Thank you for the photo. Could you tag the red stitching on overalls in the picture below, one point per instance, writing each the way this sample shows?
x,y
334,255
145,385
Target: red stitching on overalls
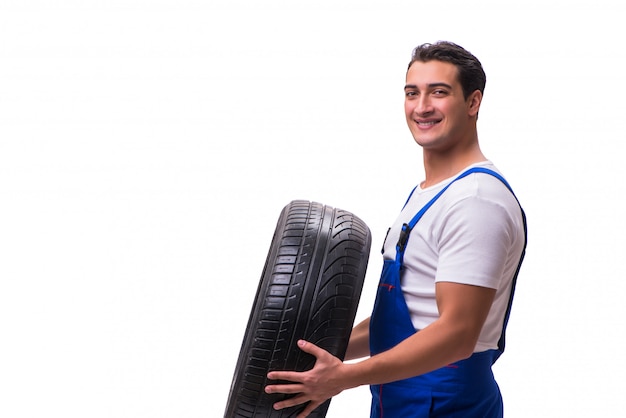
x,y
387,285
380,397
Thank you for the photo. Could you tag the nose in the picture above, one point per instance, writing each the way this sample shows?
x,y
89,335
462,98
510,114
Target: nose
x,y
423,105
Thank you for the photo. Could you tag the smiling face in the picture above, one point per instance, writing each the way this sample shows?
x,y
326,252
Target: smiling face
x,y
440,118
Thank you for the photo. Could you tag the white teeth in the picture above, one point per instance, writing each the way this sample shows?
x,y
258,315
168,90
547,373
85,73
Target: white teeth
x,y
426,123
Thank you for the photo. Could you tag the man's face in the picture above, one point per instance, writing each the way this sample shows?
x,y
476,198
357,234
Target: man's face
x,y
437,114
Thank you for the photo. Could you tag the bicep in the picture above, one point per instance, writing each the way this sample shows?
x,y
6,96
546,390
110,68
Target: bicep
x,y
464,308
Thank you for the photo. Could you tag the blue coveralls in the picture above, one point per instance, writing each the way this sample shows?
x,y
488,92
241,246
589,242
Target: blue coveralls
x,y
465,389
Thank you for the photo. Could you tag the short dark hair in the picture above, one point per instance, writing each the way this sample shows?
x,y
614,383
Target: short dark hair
x,y
471,74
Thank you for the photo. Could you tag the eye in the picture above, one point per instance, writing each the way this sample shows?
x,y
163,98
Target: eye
x,y
410,93
440,92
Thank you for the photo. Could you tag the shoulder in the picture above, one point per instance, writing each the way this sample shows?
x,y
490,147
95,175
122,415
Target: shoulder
x,y
488,186
478,202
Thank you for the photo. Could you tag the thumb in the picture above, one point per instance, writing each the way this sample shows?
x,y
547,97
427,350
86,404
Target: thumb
x,y
311,348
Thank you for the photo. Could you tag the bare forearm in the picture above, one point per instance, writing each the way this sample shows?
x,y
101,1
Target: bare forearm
x,y
427,350
434,347
358,346
452,337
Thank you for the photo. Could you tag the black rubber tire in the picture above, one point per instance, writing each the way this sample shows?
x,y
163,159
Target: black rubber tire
x,y
310,289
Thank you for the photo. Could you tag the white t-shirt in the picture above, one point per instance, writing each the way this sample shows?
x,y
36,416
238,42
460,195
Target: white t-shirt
x,y
473,234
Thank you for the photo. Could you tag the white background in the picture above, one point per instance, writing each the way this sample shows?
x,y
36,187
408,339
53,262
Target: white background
x,y
147,148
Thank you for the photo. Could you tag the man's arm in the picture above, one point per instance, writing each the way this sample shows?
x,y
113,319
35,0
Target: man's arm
x,y
359,344
463,310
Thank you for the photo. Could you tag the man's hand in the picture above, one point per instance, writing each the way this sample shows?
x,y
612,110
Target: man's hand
x,y
314,386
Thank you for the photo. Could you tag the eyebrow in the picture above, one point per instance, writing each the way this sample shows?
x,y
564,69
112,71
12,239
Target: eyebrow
x,y
432,85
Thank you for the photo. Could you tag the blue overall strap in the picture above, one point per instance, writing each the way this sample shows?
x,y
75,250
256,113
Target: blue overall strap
x,y
406,228
409,198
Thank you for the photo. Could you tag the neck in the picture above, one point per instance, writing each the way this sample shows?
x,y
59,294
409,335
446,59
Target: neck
x,y
439,166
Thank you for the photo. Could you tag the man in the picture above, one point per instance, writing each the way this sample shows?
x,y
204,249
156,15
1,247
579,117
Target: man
x,y
450,264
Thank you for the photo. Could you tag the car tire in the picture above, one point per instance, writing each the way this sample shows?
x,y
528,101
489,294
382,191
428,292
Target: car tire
x,y
309,289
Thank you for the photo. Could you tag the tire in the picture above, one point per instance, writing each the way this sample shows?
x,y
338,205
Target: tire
x,y
309,289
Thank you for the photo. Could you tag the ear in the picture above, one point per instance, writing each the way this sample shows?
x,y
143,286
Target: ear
x,y
473,103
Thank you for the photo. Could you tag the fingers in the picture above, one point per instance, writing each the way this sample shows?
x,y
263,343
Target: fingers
x,y
288,403
287,389
288,376
298,400
312,349
309,409
301,388
307,347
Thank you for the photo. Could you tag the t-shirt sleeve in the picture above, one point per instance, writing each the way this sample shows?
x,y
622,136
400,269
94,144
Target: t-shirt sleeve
x,y
474,240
